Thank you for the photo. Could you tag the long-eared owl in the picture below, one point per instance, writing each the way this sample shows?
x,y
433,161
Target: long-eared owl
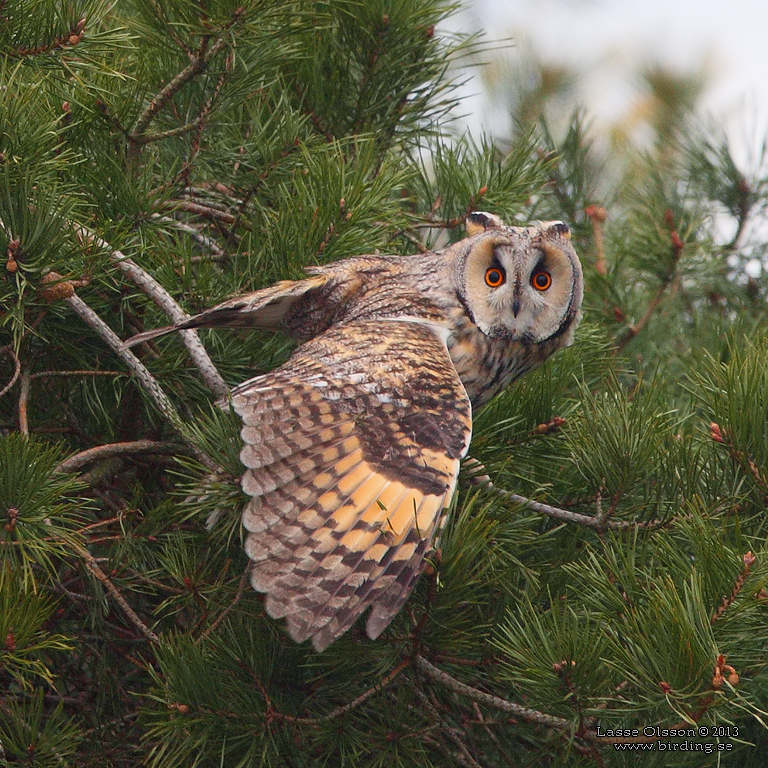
x,y
352,447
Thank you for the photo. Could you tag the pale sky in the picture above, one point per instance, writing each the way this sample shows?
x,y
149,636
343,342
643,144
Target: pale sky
x,y
607,38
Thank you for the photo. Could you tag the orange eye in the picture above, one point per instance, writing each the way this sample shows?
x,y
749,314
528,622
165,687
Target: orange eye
x,y
494,277
541,281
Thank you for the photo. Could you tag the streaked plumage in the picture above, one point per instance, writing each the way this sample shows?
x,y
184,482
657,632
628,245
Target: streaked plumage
x,y
352,448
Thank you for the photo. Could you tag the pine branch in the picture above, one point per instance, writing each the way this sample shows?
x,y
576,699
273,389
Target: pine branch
x,y
455,221
132,616
238,596
531,715
524,713
440,729
23,404
16,369
145,378
170,30
149,138
101,452
312,115
197,65
158,584
195,125
741,457
68,40
745,203
199,208
597,217
164,301
670,279
491,735
600,521
50,374
385,682
217,253
749,561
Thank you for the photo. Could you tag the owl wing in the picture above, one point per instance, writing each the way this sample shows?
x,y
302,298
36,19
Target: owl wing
x,y
261,309
352,451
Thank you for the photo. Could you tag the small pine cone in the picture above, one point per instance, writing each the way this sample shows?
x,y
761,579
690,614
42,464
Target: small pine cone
x,y
57,287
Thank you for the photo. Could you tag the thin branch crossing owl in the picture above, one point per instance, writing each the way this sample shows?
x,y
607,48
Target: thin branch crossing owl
x,y
352,447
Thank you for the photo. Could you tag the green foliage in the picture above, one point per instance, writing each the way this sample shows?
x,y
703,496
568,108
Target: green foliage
x,y
464,175
225,145
31,735
550,654
22,616
619,446
734,395
40,507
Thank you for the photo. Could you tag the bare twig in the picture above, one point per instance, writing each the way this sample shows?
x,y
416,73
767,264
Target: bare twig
x,y
491,735
146,379
133,617
746,201
316,121
100,523
214,188
599,521
16,369
524,713
463,755
199,208
201,239
725,437
529,715
197,128
170,30
413,240
207,198
159,584
100,452
164,301
439,727
387,680
49,374
597,216
23,403
238,596
148,138
632,330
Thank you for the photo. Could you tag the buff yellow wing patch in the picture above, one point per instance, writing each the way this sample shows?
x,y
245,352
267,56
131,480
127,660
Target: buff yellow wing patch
x,y
352,449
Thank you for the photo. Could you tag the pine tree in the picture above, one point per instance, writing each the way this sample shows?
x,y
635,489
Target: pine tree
x,y
157,156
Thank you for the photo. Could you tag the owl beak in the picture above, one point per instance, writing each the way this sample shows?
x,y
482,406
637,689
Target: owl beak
x,y
516,298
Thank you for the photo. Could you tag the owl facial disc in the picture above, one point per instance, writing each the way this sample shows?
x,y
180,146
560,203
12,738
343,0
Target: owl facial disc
x,y
522,283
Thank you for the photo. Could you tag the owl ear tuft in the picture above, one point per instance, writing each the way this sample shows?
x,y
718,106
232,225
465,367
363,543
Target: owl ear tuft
x,y
560,228
479,221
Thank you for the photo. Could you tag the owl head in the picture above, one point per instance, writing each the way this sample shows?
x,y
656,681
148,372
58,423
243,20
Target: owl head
x,y
520,283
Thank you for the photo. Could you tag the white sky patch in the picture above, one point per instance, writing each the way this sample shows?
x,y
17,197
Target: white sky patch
x,y
607,39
